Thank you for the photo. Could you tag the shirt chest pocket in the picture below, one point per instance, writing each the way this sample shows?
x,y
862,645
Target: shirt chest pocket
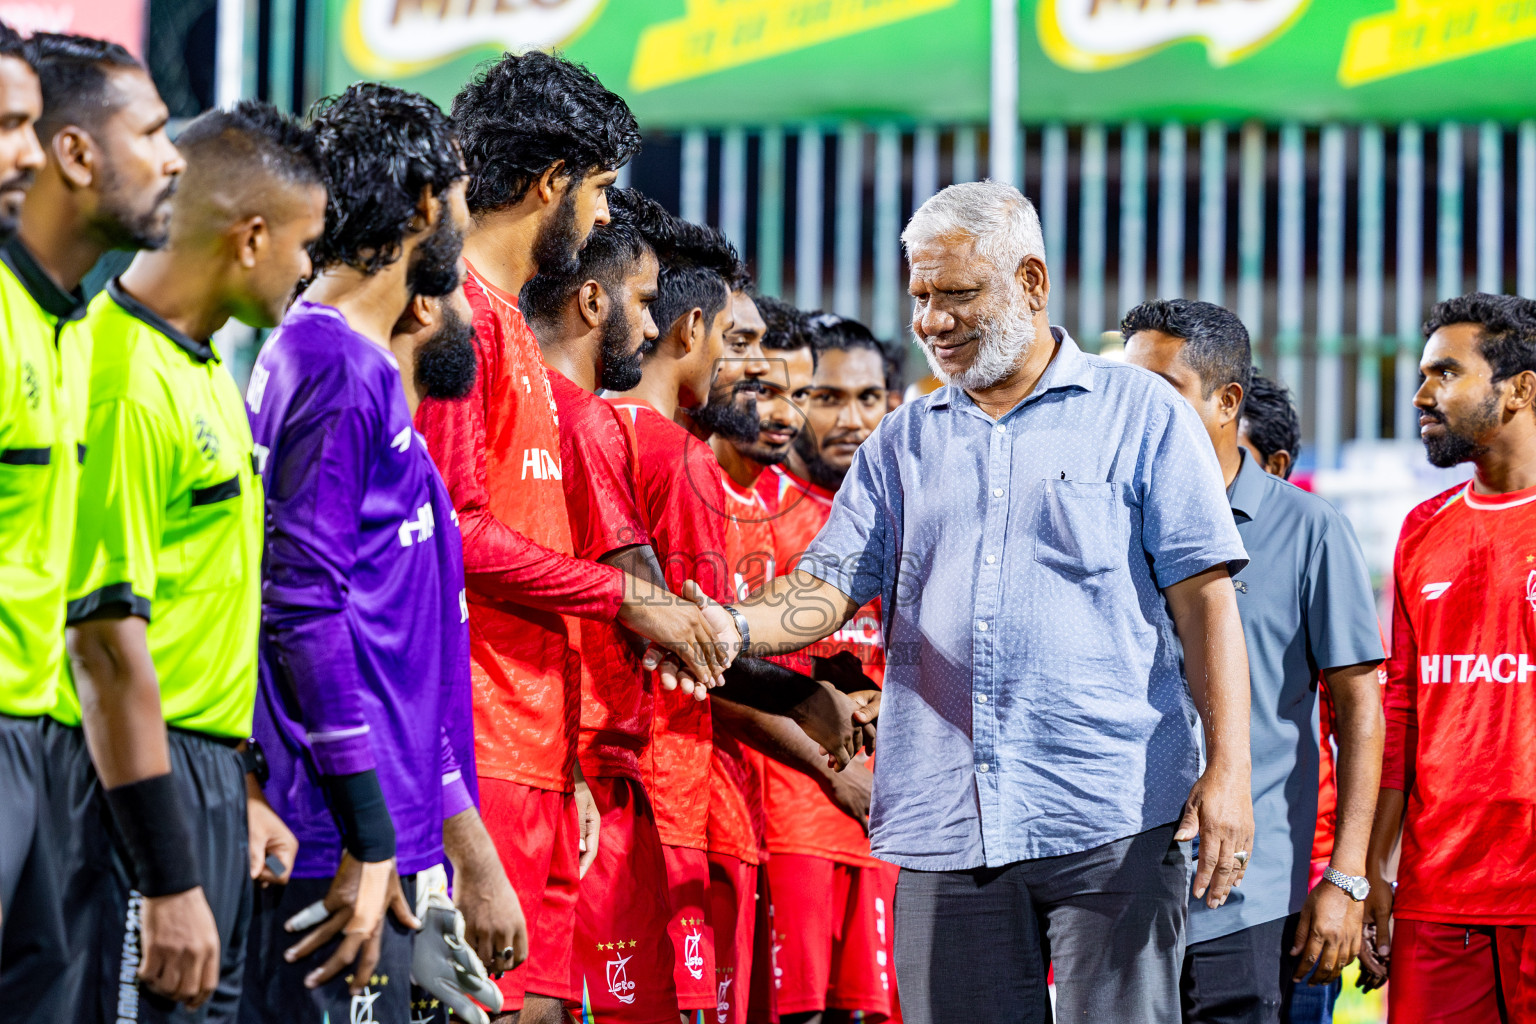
x,y
1080,529
210,547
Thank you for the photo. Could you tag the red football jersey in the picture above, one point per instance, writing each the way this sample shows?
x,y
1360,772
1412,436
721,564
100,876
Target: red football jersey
x,y
1461,708
737,817
597,453
498,449
678,493
1327,786
801,818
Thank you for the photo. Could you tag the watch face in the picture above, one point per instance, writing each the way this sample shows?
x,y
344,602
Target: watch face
x,y
1359,888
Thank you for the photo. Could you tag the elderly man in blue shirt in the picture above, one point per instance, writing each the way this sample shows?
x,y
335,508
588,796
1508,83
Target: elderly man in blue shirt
x,y
1307,608
1053,550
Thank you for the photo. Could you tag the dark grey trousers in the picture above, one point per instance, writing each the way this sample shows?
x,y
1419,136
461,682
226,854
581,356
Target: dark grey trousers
x,y
974,946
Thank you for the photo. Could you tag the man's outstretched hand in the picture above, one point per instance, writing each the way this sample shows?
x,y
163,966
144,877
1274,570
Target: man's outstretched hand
x,y
698,633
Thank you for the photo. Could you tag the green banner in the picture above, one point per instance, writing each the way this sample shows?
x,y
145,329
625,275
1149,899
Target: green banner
x,y
720,62
691,62
1307,60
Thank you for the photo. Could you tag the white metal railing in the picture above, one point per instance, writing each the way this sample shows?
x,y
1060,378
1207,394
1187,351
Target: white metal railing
x,y
1289,225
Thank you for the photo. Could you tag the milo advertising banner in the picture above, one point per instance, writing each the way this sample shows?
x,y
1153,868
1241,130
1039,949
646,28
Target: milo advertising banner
x,y
717,62
710,62
1310,60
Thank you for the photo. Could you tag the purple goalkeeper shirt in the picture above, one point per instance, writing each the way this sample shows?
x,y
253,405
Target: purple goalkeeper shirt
x,y
364,634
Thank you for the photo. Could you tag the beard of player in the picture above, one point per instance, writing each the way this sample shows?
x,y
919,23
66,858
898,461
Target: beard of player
x,y
445,364
622,367
1459,441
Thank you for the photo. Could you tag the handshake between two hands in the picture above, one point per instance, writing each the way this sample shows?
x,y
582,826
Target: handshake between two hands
x,y
693,640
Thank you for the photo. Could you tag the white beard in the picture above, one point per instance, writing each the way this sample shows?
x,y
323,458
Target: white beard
x,y
1005,341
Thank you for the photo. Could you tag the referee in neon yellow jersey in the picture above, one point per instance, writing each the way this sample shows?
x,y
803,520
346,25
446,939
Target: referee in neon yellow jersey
x,y
37,490
165,583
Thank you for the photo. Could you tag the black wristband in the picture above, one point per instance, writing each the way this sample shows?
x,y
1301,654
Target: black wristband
x,y
154,826
357,802
256,762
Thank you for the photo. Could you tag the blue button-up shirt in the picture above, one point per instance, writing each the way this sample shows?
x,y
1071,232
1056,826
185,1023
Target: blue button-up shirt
x,y
1035,702
1306,602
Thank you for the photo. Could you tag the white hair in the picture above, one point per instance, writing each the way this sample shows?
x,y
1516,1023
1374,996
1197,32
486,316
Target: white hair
x,y
995,216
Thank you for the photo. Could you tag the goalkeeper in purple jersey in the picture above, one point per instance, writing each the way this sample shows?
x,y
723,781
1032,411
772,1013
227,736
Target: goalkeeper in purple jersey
x,y
363,711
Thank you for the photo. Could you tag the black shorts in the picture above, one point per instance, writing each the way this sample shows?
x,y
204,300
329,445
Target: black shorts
x,y
102,905
274,988
32,941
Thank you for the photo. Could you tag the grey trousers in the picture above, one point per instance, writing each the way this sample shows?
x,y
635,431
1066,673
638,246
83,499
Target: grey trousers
x,y
972,947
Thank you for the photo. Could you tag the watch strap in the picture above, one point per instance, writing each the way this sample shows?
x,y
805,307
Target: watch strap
x,y
1347,882
741,627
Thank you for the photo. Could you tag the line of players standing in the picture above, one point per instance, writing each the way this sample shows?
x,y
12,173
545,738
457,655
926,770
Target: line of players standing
x,y
383,616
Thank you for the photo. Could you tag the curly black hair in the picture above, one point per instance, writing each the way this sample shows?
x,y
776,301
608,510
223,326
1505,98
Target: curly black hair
x,y
611,252
1508,336
253,134
520,115
1216,343
11,43
74,72
1270,420
380,145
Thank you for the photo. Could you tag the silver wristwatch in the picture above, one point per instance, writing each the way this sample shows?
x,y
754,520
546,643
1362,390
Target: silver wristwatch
x,y
741,627
1355,885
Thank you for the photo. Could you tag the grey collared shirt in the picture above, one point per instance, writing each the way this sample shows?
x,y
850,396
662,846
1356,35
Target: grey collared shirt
x,y
1035,701
1306,603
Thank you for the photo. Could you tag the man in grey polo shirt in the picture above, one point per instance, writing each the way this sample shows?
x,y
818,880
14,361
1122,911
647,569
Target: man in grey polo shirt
x,y
1306,603
1049,541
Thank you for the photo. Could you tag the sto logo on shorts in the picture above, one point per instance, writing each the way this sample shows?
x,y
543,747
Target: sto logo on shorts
x,y
723,1002
619,984
693,959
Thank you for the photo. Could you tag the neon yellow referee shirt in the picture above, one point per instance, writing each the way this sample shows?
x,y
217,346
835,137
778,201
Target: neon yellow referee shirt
x,y
170,514
43,362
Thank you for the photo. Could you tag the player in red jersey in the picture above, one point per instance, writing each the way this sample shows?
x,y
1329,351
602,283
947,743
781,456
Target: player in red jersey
x,y
592,326
542,139
831,899
680,501
1459,772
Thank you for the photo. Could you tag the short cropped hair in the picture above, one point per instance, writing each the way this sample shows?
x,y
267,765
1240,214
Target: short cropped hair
x,y
11,43
786,326
523,113
1216,343
1272,424
74,72
252,135
381,146
829,331
697,264
611,252
994,215
1507,339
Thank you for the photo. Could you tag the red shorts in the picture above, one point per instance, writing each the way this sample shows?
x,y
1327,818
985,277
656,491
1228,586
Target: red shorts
x,y
693,943
832,934
732,915
764,1005
623,958
536,835
1457,974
